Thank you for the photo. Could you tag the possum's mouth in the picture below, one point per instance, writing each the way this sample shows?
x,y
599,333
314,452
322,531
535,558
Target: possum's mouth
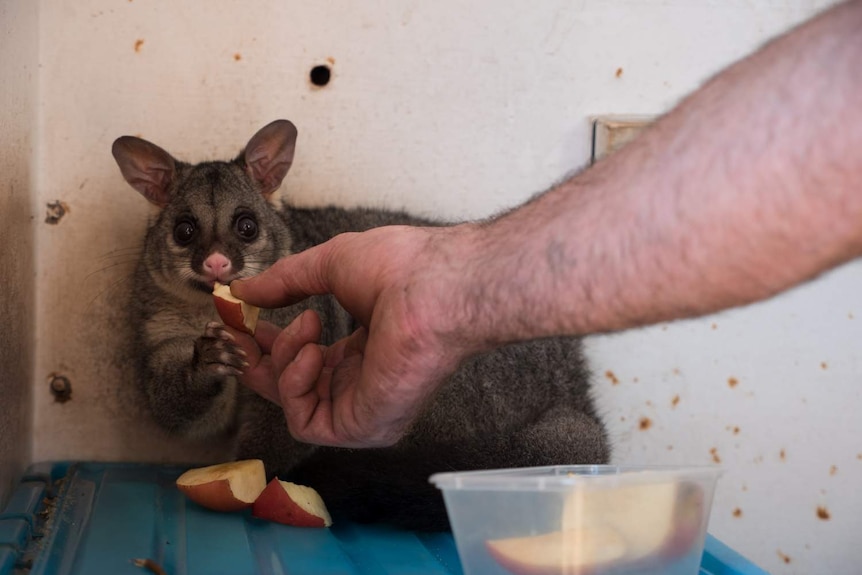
x,y
205,287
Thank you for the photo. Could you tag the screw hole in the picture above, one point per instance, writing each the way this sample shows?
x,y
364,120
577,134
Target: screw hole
x,y
320,75
61,388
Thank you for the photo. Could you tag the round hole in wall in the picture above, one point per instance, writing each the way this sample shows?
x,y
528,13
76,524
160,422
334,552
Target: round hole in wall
x,y
320,75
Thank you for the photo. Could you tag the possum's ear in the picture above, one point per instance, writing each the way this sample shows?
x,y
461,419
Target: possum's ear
x,y
269,154
148,168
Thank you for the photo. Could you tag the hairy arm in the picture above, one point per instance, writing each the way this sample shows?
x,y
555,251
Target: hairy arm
x,y
751,185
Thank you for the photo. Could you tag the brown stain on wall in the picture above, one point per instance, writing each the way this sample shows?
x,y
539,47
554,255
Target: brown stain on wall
x,y
675,401
138,44
784,557
612,377
737,512
732,382
823,513
619,73
714,453
645,423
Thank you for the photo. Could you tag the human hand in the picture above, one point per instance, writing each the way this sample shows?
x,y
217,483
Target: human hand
x,y
364,390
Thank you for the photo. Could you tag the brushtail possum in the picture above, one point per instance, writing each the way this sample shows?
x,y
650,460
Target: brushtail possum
x,y
524,404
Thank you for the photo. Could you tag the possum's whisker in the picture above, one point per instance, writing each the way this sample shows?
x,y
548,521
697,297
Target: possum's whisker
x,y
109,288
109,268
122,252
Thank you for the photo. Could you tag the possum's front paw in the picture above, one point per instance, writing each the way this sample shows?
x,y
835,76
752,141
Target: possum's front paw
x,y
217,353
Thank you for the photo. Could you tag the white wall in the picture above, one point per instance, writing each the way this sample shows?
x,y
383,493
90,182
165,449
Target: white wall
x,y
18,105
457,109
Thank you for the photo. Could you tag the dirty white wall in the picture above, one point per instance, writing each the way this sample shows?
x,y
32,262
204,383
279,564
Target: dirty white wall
x,y
18,104
457,109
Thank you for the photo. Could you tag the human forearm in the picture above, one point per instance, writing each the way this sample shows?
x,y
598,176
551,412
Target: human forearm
x,y
751,185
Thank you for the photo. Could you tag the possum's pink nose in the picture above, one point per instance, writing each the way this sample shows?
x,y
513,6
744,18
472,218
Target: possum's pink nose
x,y
217,267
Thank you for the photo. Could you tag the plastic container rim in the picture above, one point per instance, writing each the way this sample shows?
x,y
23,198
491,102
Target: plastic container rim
x,y
566,477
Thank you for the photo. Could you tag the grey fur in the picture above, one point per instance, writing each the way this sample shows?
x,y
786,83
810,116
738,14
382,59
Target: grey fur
x,y
522,405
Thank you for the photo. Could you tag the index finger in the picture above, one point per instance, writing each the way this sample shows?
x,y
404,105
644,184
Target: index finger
x,y
290,280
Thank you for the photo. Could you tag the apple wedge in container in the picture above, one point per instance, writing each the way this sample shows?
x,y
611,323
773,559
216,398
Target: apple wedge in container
x,y
580,520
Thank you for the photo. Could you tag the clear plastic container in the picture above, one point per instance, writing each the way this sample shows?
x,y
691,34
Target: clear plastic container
x,y
580,519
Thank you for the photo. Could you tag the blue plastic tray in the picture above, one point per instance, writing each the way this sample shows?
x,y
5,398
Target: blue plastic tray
x,y
93,518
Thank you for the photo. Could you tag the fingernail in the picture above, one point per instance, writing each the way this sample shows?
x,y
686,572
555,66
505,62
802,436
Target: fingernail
x,y
245,364
241,353
295,326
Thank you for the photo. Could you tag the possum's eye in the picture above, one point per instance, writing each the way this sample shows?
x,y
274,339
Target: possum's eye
x,y
184,232
246,227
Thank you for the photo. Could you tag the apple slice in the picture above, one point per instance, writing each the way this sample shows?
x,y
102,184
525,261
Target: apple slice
x,y
226,486
655,519
574,552
233,311
291,504
635,526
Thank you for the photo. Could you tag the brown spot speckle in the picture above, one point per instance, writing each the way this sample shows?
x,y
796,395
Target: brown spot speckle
x,y
670,447
714,326
619,73
737,512
635,380
824,365
732,382
784,557
714,453
823,514
675,401
237,56
138,44
645,423
676,371
331,61
782,455
55,211
612,377
850,315
736,430
833,470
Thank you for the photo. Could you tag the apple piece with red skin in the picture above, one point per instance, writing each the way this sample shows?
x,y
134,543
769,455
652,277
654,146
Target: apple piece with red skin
x,y
574,552
291,504
224,487
233,311
625,527
657,519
